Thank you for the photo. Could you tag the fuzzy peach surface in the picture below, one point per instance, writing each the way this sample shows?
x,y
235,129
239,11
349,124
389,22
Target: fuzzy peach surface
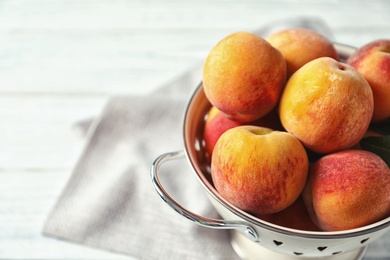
x,y
373,62
215,125
259,170
350,189
328,105
299,46
243,76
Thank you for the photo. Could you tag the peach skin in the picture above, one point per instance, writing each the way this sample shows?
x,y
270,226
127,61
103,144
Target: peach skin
x,y
348,189
243,76
259,170
299,46
217,123
373,62
327,104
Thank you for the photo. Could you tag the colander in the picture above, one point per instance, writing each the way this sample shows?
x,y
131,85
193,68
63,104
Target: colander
x,y
251,237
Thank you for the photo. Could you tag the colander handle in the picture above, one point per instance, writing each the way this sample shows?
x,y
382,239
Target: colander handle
x,y
202,221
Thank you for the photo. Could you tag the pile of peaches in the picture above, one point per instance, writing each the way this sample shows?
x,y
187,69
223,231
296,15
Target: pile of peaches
x,y
286,124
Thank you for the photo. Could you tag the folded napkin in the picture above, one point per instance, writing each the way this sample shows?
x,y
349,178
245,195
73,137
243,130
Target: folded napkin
x,y
109,202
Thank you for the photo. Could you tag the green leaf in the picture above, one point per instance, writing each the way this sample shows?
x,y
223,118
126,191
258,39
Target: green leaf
x,y
380,145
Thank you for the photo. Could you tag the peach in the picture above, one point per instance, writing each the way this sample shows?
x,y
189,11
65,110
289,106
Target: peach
x,y
373,62
259,170
243,76
295,216
217,123
348,189
327,104
299,46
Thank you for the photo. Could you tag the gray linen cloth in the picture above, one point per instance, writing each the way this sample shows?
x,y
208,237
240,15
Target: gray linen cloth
x,y
109,202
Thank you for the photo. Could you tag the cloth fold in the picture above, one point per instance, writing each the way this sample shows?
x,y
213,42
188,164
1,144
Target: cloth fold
x,y
109,202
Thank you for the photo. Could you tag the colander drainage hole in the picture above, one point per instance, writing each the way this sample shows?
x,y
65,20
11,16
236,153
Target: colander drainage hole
x,y
364,240
297,253
278,243
322,248
336,253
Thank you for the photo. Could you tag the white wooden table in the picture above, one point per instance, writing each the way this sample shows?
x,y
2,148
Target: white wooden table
x,y
61,60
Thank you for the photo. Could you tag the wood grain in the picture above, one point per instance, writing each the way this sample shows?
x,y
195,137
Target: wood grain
x,y
61,61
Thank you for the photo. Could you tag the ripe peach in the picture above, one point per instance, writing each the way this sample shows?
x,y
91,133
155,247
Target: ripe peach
x,y
217,123
295,216
259,170
243,76
299,46
348,189
373,62
327,104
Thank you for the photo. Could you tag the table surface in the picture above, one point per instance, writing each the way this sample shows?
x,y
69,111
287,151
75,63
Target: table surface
x,y
61,61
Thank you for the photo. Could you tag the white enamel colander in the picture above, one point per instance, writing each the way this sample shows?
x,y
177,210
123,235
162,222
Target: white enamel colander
x,y
253,238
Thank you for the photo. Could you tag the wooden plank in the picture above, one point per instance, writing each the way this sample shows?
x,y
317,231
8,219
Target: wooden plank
x,y
132,46
60,61
36,131
25,200
177,14
38,149
122,63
